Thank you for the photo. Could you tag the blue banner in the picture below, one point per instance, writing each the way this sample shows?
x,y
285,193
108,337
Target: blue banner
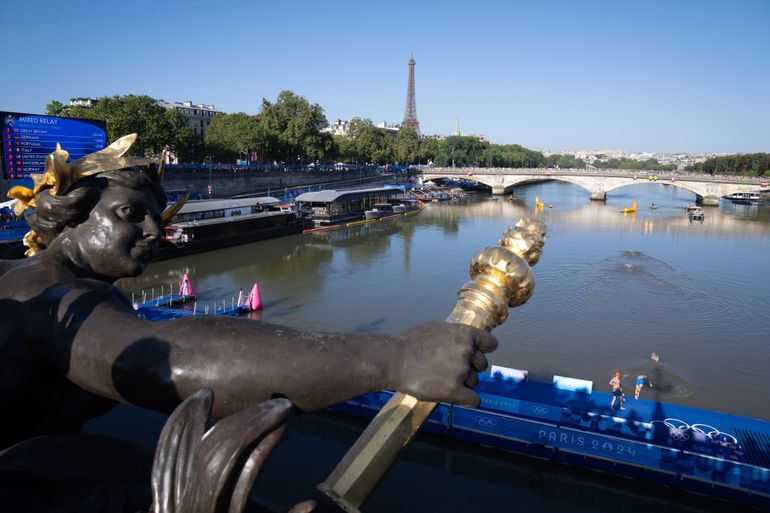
x,y
29,138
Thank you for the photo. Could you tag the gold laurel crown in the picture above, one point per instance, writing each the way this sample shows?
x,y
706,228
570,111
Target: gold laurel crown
x,y
59,176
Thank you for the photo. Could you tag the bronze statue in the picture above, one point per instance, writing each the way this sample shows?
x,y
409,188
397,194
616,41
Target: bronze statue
x,y
71,345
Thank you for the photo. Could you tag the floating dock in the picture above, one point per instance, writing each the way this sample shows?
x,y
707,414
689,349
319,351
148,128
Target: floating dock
x,y
706,452
162,308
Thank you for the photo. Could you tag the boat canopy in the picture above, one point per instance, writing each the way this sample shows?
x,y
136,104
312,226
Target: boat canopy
x,y
331,196
192,207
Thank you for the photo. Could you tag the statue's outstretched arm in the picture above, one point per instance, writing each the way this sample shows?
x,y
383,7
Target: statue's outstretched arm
x,y
110,351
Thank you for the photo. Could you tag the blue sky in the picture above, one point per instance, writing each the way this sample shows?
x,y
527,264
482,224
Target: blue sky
x,y
550,75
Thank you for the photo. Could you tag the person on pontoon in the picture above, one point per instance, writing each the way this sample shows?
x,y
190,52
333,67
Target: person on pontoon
x,y
617,391
640,380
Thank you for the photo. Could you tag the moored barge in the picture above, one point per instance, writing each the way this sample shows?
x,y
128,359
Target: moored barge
x,y
214,224
332,207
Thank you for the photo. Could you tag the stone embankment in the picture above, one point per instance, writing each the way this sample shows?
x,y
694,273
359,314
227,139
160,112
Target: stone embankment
x,y
226,183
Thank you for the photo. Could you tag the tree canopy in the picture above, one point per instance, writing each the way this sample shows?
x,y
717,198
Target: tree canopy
x,y
511,155
564,161
234,136
749,164
459,150
406,146
626,163
157,127
294,127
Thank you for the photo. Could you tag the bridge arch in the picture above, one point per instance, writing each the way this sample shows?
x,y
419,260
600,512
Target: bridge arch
x,y
699,198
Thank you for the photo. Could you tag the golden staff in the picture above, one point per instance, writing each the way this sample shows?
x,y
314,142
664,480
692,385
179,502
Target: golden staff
x,y
501,277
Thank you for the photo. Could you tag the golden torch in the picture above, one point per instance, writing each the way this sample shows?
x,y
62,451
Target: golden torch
x,y
501,277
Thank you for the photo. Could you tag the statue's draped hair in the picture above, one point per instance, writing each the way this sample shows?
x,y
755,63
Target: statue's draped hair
x,y
53,213
64,195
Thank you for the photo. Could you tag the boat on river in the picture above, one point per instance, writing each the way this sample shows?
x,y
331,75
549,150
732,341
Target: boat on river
x,y
706,452
694,213
213,224
379,210
405,205
745,198
629,210
333,207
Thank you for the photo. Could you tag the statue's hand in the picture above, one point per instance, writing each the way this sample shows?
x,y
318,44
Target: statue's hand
x,y
440,362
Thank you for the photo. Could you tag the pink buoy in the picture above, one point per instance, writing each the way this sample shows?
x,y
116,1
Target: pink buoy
x,y
255,300
185,287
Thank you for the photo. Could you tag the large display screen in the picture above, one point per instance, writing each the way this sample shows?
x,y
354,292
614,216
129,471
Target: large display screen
x,y
29,138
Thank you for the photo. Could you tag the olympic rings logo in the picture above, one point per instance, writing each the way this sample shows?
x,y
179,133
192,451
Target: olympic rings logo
x,y
485,421
678,427
679,435
539,410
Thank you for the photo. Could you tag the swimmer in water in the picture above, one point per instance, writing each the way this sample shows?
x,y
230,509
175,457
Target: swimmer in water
x,y
654,357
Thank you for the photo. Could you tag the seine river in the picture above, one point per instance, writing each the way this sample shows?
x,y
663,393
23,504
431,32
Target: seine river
x,y
611,289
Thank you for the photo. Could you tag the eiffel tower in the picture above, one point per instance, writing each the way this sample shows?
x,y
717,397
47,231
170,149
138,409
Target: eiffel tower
x,y
410,113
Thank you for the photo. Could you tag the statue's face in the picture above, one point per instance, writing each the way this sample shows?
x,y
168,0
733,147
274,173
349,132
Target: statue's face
x,y
121,234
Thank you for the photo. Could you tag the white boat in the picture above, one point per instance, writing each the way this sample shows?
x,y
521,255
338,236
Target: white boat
x,y
695,213
379,210
404,205
746,198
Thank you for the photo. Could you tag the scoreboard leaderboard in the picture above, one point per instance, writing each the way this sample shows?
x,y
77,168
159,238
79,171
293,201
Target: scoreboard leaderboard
x,y
29,138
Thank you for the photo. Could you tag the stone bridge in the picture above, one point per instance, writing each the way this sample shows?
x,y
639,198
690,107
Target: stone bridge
x,y
707,189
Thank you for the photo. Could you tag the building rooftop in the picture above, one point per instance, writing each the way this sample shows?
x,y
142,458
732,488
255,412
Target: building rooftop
x,y
187,104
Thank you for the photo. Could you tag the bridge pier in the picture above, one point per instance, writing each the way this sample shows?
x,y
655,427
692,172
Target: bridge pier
x,y
500,191
598,196
708,200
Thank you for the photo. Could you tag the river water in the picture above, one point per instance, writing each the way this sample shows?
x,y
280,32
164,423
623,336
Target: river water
x,y
611,289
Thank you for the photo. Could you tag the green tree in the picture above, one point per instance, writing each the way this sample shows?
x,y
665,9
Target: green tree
x,y
406,146
369,143
293,126
157,127
626,163
346,148
427,150
564,161
186,145
460,150
236,136
749,164
55,108
130,114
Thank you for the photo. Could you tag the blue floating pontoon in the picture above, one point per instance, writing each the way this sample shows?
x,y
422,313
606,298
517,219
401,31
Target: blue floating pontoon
x,y
165,314
706,452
